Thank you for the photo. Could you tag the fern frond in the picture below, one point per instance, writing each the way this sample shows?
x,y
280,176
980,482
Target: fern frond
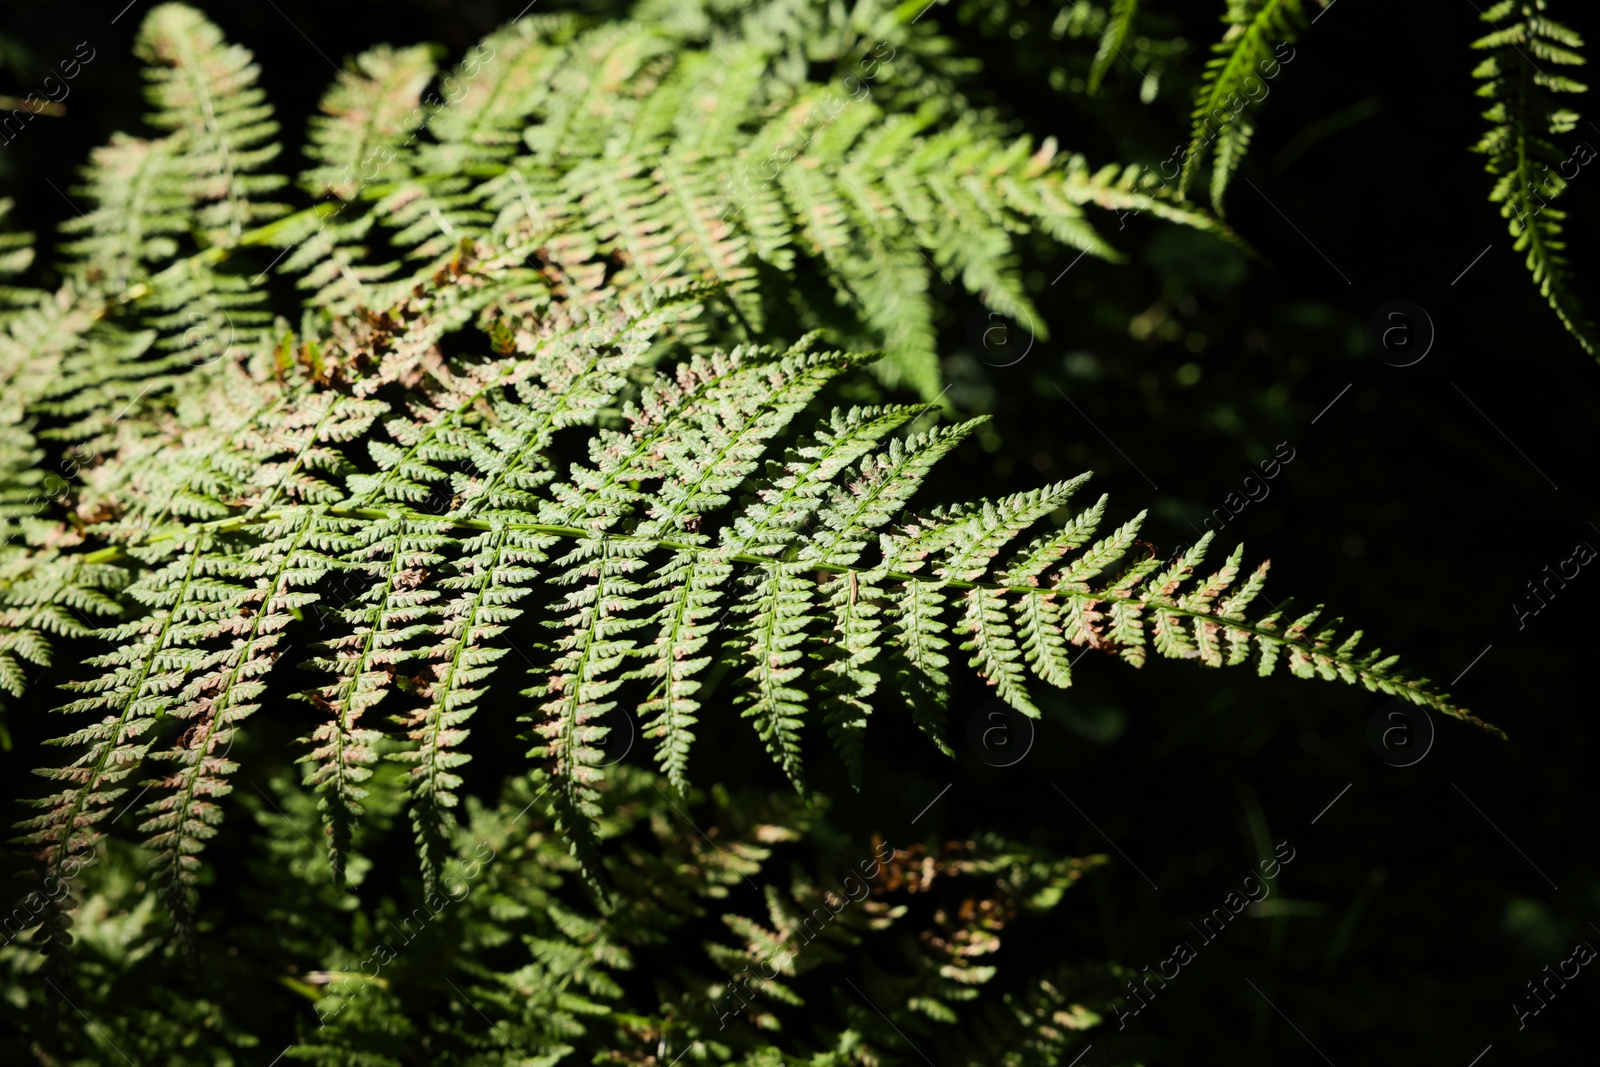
x,y
1521,77
630,158
45,593
204,93
366,113
152,294
269,584
1122,16
138,212
16,253
156,653
1222,113
425,593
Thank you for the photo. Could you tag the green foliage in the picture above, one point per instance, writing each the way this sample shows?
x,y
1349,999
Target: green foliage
x,y
538,404
46,590
1081,46
1523,80
509,956
1120,22
229,543
708,528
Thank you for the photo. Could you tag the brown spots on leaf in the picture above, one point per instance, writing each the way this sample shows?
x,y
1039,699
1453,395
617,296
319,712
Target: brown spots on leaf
x,y
410,578
90,513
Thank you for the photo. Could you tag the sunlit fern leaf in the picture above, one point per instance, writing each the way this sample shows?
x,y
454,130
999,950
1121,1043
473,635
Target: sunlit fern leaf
x,y
205,95
16,254
436,587
256,597
368,113
371,115
138,211
1523,78
147,266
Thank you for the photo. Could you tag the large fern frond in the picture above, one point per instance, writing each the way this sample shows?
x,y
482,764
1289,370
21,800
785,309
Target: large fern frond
x,y
454,516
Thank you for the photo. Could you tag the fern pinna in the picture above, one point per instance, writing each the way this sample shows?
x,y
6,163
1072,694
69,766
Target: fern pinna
x,y
513,427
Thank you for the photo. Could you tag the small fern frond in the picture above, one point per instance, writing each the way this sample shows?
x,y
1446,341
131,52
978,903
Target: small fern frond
x,y
1121,19
1521,77
1241,63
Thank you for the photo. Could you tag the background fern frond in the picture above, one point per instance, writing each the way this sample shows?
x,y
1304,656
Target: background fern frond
x,y
1120,22
606,153
1245,56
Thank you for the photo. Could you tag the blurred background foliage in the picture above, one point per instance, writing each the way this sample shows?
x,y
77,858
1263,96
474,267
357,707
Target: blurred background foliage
x,y
1421,500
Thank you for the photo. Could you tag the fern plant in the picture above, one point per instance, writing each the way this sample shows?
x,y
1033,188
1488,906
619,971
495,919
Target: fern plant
x,y
534,411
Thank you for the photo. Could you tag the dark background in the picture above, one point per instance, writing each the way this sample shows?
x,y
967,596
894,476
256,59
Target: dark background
x,y
1418,505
